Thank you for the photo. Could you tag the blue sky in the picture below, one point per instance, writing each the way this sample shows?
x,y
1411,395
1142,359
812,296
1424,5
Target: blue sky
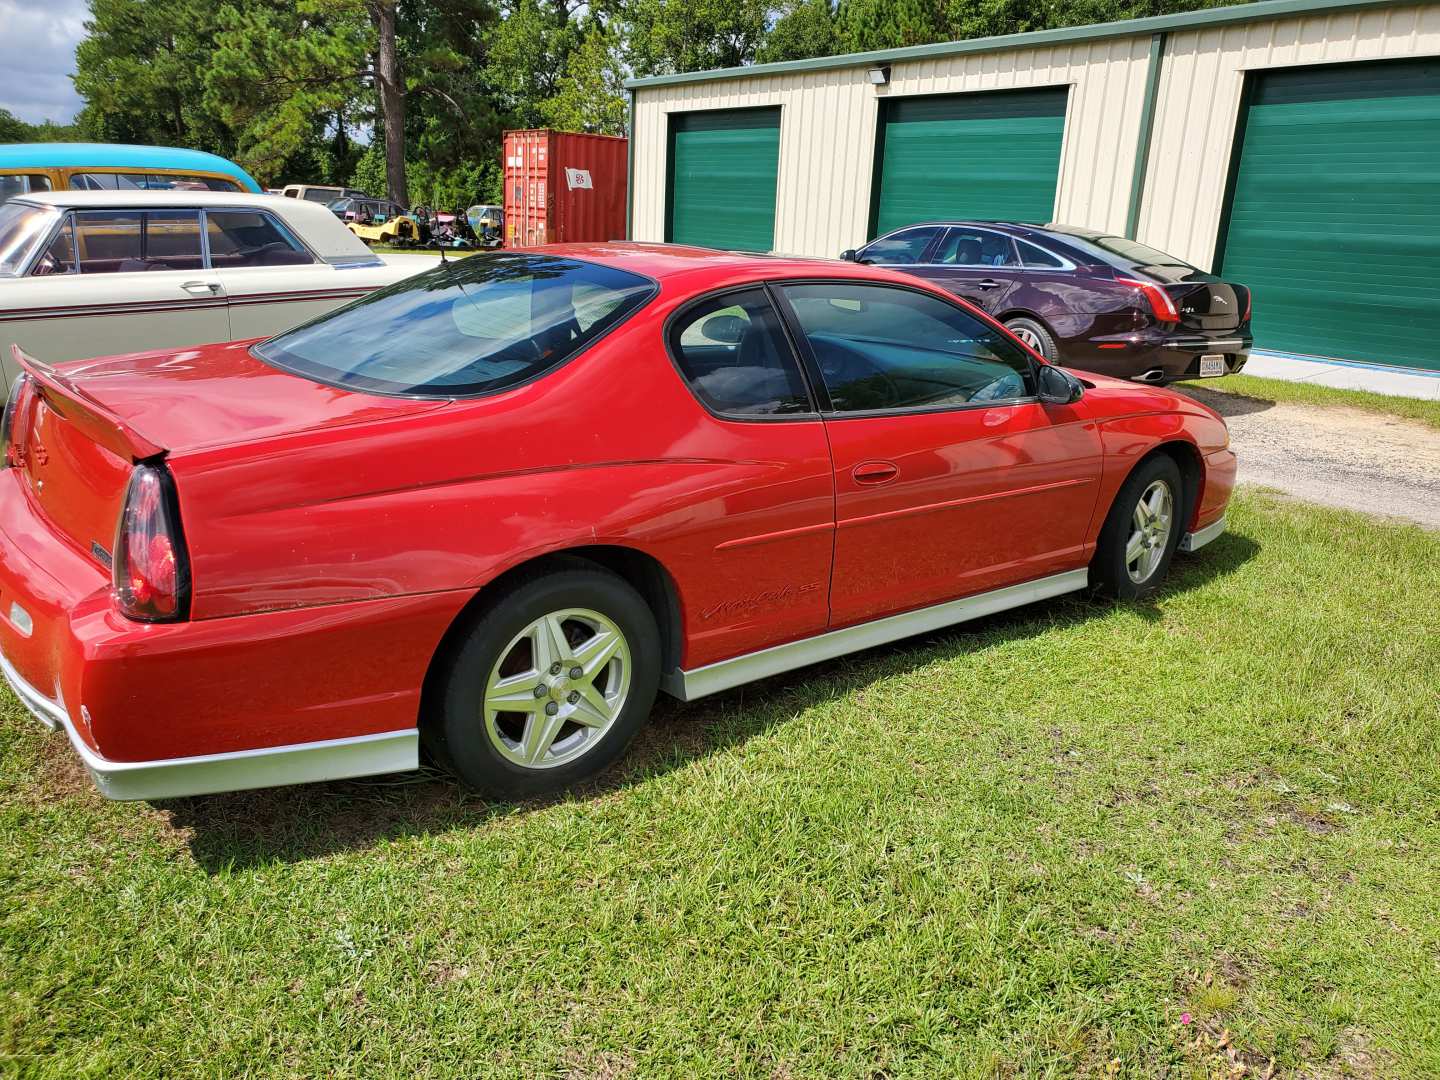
x,y
37,57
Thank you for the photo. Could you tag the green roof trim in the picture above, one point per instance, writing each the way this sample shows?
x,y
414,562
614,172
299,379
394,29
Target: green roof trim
x,y
1155,24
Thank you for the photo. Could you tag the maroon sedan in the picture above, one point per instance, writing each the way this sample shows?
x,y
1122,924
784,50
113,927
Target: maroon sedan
x,y
1080,297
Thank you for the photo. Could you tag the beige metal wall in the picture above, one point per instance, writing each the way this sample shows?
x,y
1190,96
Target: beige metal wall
x,y
828,123
1199,106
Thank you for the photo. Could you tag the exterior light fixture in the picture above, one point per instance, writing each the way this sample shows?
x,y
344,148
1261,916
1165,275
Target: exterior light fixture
x,y
880,75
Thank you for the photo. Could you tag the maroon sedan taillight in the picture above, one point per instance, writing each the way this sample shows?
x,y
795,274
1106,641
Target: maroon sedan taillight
x,y
1160,302
152,570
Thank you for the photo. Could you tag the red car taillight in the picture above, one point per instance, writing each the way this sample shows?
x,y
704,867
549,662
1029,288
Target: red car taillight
x,y
152,570
1160,302
7,422
1249,297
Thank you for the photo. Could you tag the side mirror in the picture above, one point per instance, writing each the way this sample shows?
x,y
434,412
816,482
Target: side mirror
x,y
1058,386
850,255
725,329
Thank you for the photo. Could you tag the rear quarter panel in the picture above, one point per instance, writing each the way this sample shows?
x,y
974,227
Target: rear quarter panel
x,y
609,449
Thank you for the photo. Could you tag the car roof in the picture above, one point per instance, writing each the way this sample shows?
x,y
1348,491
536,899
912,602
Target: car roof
x,y
117,156
1002,226
669,260
97,200
314,222
680,264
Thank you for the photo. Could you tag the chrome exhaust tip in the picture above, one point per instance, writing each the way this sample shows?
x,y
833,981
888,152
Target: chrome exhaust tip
x,y
1154,375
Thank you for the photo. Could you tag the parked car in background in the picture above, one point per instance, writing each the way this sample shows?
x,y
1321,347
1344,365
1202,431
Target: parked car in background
x,y
85,273
488,223
391,224
498,505
353,208
320,193
1080,297
36,167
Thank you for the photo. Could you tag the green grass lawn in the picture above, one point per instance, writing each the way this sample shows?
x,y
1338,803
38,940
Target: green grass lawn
x,y
1252,386
1025,847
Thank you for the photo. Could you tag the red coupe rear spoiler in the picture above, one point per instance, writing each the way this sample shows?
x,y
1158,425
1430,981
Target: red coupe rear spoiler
x,y
84,412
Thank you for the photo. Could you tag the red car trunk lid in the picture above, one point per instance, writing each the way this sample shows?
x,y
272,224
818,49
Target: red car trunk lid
x,y
81,426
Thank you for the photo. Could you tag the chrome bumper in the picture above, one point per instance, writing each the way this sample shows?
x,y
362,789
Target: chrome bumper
x,y
271,766
1194,541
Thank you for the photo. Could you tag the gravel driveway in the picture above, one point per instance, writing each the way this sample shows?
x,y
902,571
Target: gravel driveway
x,y
1334,455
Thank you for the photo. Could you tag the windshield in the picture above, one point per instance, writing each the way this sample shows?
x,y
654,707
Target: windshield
x,y
473,326
21,224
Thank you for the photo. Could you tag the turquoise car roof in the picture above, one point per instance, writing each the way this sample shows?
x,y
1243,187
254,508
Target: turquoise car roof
x,y
117,156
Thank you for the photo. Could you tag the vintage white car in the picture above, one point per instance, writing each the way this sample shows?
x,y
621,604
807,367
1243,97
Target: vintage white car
x,y
94,273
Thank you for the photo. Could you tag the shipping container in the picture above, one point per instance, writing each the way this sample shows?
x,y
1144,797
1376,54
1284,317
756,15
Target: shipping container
x,y
563,187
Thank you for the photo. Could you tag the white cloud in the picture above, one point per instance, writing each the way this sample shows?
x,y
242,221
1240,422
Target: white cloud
x,y
37,57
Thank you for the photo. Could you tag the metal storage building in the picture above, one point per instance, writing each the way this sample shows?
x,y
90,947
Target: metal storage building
x,y
1293,144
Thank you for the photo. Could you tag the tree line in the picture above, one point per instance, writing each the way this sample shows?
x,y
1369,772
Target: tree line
x,y
409,97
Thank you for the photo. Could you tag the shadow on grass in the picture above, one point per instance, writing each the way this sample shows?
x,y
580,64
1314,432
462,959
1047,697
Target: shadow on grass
x,y
309,821
1227,404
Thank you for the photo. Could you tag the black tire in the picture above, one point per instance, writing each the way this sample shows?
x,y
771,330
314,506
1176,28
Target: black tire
x,y
1110,571
455,733
1044,342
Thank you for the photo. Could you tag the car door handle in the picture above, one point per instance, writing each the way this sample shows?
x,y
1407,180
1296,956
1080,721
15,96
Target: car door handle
x,y
201,288
988,283
875,472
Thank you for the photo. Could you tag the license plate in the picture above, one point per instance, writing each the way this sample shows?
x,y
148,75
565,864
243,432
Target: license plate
x,y
1212,365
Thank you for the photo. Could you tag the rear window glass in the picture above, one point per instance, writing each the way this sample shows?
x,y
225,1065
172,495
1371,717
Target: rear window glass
x,y
472,326
20,227
1129,250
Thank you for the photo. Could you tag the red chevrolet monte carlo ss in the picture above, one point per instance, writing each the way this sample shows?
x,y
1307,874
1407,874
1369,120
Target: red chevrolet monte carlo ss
x,y
494,508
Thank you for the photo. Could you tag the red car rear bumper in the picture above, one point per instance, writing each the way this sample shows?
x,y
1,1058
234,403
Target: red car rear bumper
x,y
160,710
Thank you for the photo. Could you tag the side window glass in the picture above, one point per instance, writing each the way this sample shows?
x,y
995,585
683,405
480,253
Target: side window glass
x,y
240,238
975,247
108,242
900,248
734,354
59,257
108,181
172,240
1036,256
884,348
11,186
20,183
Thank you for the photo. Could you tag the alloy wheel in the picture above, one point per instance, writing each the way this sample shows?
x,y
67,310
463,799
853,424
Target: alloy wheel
x,y
557,688
1029,337
1150,527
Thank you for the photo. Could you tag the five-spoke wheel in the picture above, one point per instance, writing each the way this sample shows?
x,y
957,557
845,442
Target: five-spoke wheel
x,y
1141,532
1151,524
548,682
557,688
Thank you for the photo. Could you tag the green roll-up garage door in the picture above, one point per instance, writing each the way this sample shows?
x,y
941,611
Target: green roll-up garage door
x,y
1334,216
987,157
722,179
